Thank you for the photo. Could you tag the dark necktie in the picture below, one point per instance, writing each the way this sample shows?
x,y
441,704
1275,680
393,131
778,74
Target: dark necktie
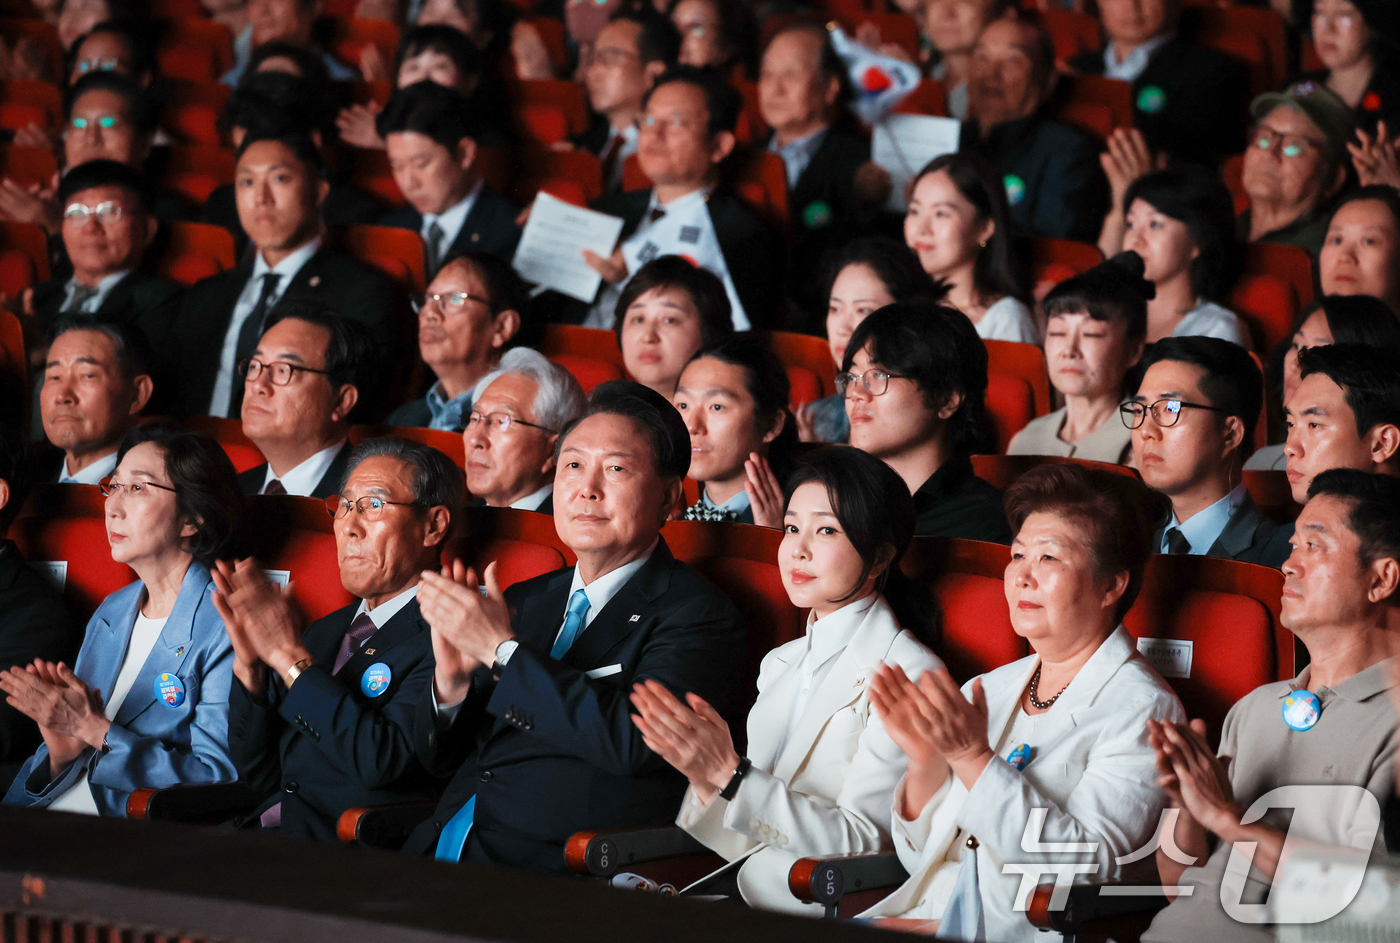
x,y
656,214
432,248
248,336
361,629
275,486
82,294
610,154
1177,542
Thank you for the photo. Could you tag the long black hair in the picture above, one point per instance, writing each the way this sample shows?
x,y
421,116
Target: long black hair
x,y
876,511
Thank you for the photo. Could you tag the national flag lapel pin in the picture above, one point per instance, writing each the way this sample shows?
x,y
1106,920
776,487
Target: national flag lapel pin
x,y
635,618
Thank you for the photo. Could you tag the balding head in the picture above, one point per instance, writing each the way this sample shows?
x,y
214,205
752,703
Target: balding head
x,y
799,85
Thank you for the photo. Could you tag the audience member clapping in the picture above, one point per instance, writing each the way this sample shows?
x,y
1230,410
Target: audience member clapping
x,y
668,311
1361,254
821,768
146,703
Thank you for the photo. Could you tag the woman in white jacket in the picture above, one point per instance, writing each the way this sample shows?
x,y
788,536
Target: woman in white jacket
x,y
1039,771
821,770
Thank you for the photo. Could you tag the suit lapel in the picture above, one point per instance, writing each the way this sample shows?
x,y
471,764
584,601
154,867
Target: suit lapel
x,y
542,614
109,657
171,649
1238,534
119,299
614,624
326,643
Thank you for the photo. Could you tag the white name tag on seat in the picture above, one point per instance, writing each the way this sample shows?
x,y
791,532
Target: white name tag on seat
x,y
280,577
55,571
1170,657
604,672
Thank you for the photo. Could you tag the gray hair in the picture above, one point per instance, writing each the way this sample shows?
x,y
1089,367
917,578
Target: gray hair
x,y
435,480
559,401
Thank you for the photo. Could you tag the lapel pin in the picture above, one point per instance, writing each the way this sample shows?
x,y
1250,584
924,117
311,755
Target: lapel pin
x,y
634,619
859,682
315,280
179,651
369,651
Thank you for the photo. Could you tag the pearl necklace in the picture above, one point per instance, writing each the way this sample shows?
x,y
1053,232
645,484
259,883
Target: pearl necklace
x,y
1034,690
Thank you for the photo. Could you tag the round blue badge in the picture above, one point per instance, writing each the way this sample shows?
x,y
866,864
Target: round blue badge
x,y
170,690
1301,709
1015,189
1020,757
375,680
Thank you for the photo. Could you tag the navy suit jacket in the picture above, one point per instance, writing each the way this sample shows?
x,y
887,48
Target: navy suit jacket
x,y
489,227
150,744
324,745
548,750
251,481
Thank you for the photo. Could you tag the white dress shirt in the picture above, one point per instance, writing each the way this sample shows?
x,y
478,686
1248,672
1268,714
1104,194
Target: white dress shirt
x,y
104,288
91,475
450,220
1204,528
826,638
1134,63
78,797
1208,319
532,502
385,611
604,310
303,479
247,301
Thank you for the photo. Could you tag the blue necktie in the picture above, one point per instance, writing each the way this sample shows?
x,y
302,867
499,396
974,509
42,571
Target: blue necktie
x,y
454,837
573,624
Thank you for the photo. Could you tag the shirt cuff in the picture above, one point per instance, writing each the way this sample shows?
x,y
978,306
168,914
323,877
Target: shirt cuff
x,y
444,714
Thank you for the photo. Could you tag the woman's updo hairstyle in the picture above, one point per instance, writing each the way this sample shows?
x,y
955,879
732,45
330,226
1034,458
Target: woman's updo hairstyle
x,y
876,511
1119,512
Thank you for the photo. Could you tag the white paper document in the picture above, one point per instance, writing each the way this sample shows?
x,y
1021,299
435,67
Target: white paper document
x,y
687,231
550,253
903,144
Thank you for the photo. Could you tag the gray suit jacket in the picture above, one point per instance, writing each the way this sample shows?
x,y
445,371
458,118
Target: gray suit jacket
x,y
1246,538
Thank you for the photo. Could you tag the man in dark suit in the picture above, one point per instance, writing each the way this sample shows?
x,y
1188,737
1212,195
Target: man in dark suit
x,y
280,186
106,230
300,388
687,131
96,383
529,701
514,426
1195,410
1188,101
321,721
630,53
429,135
1055,185
800,92
34,622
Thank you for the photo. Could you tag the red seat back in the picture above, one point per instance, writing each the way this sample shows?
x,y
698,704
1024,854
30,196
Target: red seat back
x,y
194,251
589,372
195,170
808,353
1094,104
27,165
1288,262
967,579
63,524
1268,303
522,543
229,434
1073,33
928,98
1271,493
531,169
16,272
396,252
567,99
1010,405
1001,470
297,535
448,443
594,343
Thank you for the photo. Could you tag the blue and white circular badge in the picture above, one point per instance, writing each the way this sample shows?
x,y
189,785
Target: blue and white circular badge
x,y
169,689
1301,709
1020,757
375,680
1015,188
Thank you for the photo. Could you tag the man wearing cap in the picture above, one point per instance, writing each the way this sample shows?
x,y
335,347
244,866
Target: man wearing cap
x,y
1294,165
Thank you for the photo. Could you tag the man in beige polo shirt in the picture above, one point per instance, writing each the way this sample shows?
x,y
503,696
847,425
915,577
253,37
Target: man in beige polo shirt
x,y
1331,725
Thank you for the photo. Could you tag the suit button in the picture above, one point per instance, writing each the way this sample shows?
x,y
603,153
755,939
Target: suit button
x,y
486,775
292,786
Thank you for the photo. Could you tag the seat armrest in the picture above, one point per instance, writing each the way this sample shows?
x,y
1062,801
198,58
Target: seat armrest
x,y
826,880
382,826
603,852
1094,901
202,802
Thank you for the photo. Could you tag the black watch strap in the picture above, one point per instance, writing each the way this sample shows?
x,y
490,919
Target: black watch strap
x,y
732,788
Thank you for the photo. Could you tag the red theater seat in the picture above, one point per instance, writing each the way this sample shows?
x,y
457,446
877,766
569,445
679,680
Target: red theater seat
x,y
534,169
805,352
348,39
1018,387
448,443
24,102
1268,304
1001,470
297,536
588,371
523,544
195,170
27,166
24,257
194,251
14,372
568,99
229,434
63,524
396,252
1272,495
591,342
42,37
929,98
967,581
1073,33
1054,260
195,48
1288,262
1094,104
370,171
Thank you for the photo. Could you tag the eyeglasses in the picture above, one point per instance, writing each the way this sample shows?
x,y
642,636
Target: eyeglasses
x,y
453,301
876,382
673,123
1165,412
106,212
368,506
137,489
502,422
279,372
612,56
105,122
1289,145
98,65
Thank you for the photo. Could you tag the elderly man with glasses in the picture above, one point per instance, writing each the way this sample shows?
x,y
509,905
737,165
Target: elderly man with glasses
x,y
322,720
471,313
513,430
299,389
1192,418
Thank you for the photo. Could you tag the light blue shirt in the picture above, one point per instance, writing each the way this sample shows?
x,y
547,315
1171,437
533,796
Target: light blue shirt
x,y
450,221
449,415
1204,528
1134,64
797,154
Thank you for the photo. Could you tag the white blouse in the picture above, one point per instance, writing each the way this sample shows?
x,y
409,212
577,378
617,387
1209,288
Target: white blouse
x,y
1008,320
1208,319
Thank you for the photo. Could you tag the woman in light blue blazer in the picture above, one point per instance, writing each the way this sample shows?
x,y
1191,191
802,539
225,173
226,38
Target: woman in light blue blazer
x,y
146,704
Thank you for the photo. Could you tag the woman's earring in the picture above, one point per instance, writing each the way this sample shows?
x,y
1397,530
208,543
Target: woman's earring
x,y
984,243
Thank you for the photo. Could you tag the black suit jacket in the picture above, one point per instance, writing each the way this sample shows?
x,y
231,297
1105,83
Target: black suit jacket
x,y
1195,99
251,481
548,751
489,227
594,138
1273,549
34,623
1248,536
324,745
546,506
352,288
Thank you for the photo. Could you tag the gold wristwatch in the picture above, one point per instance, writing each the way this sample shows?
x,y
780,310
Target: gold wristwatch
x,y
295,671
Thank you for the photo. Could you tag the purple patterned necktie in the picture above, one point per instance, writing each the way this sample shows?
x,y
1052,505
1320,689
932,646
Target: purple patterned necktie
x,y
361,629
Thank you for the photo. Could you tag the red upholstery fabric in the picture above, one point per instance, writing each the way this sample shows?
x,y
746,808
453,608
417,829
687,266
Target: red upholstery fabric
x,y
65,522
16,272
929,98
1000,471
448,443
1269,304
1073,33
543,123
296,534
1010,405
977,633
516,560
588,371
806,387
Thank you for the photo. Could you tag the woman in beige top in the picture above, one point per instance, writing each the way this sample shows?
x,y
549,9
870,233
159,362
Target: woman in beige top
x,y
1096,324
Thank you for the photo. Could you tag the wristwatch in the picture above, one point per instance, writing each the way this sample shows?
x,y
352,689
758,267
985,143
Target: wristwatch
x,y
295,671
504,651
732,787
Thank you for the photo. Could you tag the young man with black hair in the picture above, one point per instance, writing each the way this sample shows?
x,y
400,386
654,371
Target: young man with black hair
x,y
1191,418
432,152
915,380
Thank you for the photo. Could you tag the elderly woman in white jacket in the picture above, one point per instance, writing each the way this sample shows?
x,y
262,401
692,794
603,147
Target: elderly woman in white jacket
x,y
1040,770
821,769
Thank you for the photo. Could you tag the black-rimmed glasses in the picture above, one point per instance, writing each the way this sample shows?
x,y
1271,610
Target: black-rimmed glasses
x,y
1165,412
